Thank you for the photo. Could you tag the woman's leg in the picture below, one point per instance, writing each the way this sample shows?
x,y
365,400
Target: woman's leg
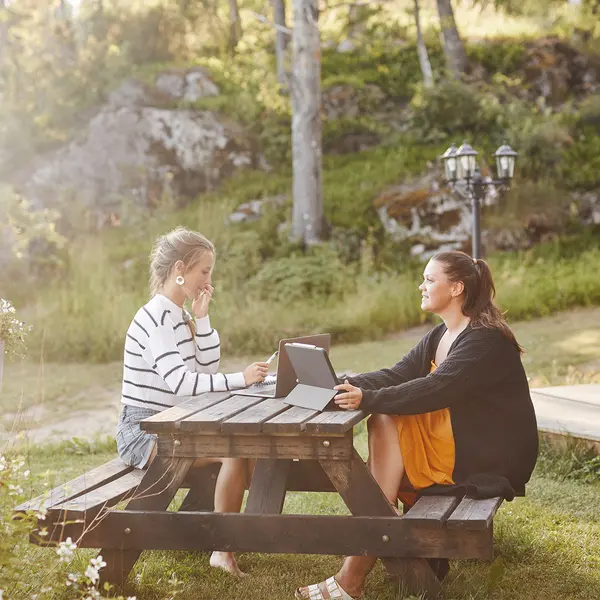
x,y
386,464
229,495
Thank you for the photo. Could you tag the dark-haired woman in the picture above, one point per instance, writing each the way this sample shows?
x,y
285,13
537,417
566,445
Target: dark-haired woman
x,y
453,416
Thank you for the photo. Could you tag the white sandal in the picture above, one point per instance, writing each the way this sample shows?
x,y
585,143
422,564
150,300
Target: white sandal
x,y
333,590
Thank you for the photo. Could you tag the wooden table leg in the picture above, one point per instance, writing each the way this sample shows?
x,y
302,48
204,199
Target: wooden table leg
x,y
201,495
155,492
268,486
363,496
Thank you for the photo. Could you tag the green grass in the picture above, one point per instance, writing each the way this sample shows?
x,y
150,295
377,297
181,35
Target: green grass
x,y
547,545
560,349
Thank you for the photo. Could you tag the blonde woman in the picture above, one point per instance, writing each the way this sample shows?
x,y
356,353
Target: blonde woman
x,y
170,356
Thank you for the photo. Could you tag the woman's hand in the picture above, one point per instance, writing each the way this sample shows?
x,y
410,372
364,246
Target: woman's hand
x,y
352,397
256,372
201,302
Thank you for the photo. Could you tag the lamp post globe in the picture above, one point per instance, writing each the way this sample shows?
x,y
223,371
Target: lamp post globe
x,y
467,161
450,163
505,161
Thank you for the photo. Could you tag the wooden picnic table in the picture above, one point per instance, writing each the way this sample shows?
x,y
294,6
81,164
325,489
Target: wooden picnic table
x,y
295,449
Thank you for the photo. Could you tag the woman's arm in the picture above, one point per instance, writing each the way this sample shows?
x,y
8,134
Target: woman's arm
x,y
208,347
162,351
474,364
407,369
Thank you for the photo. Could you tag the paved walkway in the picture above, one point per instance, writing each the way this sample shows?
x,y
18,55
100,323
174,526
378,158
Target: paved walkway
x,y
569,410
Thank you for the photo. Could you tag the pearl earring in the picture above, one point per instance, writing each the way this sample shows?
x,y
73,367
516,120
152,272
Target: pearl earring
x,y
179,280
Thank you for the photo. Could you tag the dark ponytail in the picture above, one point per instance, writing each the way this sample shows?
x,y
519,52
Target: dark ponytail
x,y
479,291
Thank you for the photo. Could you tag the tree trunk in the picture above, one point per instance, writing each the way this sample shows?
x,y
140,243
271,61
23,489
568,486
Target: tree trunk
x,y
426,70
281,42
454,51
235,26
1,362
307,218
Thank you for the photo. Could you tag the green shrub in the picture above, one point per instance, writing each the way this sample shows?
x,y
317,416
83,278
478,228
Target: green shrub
x,y
317,274
589,113
453,108
541,145
580,162
498,56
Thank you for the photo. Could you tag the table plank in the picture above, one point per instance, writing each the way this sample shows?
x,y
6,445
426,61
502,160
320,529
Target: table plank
x,y
76,487
334,421
210,420
290,421
474,514
335,447
289,534
432,511
107,495
251,420
169,419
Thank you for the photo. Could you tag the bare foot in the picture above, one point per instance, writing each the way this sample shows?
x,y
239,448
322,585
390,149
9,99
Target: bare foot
x,y
227,562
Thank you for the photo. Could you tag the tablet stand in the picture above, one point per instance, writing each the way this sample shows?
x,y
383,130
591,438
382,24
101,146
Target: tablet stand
x,y
310,396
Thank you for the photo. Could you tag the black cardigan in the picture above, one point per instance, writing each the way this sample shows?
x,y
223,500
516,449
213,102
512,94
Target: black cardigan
x,y
483,384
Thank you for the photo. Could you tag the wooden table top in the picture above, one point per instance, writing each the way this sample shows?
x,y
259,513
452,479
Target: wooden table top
x,y
227,413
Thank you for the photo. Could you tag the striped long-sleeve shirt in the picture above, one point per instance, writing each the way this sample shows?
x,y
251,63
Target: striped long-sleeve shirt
x,y
164,364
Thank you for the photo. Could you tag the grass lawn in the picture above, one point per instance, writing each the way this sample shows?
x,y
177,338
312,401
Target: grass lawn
x,y
547,547
547,544
563,348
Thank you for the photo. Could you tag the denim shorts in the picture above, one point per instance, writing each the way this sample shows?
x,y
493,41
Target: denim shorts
x,y
133,444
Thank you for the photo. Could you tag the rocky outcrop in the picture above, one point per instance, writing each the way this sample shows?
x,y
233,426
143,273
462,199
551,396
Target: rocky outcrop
x,y
136,149
432,217
348,101
427,214
188,85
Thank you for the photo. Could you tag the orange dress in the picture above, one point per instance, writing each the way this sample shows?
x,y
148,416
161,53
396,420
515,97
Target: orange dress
x,y
427,446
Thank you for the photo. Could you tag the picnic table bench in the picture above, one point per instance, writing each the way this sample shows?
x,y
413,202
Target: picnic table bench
x,y
295,449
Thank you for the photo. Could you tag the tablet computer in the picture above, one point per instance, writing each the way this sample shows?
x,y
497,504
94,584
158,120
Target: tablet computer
x,y
316,376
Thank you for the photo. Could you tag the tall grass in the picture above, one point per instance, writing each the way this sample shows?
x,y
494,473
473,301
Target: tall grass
x,y
86,316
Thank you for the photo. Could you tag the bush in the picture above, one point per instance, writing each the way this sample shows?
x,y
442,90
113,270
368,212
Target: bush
x,y
541,145
580,162
498,56
453,108
589,113
317,274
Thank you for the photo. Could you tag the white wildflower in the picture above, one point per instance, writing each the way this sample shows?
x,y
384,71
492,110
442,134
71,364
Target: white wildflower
x,y
92,574
65,550
14,490
98,563
72,578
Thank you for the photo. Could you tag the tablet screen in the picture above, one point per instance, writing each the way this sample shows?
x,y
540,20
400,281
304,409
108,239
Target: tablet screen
x,y
312,365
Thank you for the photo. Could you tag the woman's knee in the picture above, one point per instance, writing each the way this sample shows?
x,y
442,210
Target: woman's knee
x,y
380,424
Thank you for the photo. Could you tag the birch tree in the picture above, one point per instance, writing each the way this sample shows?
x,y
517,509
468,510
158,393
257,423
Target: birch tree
x,y
426,70
307,217
454,51
235,26
281,41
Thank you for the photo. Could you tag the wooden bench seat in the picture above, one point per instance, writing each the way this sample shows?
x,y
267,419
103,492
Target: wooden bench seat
x,y
464,526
